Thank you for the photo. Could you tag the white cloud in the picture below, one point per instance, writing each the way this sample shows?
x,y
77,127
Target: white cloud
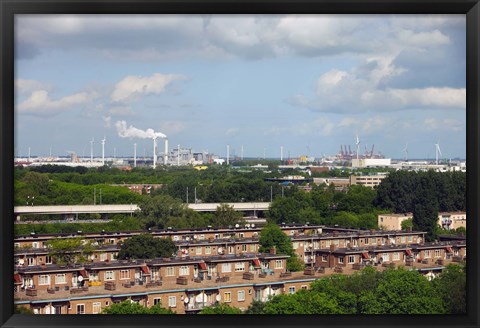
x,y
131,87
23,86
121,111
107,121
446,124
40,103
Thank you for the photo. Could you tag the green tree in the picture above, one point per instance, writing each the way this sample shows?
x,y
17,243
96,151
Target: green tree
x,y
272,236
406,224
145,246
302,302
70,250
295,264
129,307
225,215
401,292
256,307
221,308
451,286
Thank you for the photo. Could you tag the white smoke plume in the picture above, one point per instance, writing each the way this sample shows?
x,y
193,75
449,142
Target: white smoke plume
x,y
133,132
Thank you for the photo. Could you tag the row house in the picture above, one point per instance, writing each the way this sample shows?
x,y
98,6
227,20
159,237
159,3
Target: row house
x,y
148,273
39,240
357,257
187,300
306,246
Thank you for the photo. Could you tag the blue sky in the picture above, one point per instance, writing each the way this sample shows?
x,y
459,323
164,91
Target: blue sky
x,y
309,83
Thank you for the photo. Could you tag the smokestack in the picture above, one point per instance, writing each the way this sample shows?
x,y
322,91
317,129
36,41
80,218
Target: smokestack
x,y
154,152
134,155
165,157
281,153
228,154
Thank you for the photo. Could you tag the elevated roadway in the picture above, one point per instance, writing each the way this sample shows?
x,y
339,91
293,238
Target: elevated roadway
x,y
211,207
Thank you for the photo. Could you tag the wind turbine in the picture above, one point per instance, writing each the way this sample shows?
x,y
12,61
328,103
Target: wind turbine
x,y
405,150
437,152
103,150
357,142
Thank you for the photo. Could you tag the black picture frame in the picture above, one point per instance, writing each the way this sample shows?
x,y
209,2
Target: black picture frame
x,y
9,8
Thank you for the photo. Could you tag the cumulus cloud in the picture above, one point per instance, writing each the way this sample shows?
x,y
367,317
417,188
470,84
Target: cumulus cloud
x,y
24,86
132,87
444,124
39,103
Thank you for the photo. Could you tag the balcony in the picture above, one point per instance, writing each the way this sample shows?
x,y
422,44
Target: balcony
x,y
31,292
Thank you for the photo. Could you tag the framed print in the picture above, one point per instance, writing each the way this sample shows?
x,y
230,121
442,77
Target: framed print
x,y
294,163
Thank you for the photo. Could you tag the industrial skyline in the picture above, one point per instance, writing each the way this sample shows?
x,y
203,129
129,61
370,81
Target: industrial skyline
x,y
267,86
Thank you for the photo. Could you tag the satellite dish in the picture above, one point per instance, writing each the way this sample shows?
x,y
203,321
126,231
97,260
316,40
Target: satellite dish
x,y
253,225
80,278
218,298
187,238
237,225
21,261
186,300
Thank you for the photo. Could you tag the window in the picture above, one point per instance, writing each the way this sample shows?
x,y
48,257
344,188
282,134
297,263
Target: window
x,y
427,253
109,275
124,274
103,257
324,258
244,248
340,260
226,267
351,259
202,237
386,257
252,248
402,239
437,253
278,264
16,245
231,250
44,279
48,259
35,245
335,242
241,295
227,297
396,256
291,290
80,308
170,271
240,267
249,292
410,239
184,270
157,300
241,234
172,301
208,249
30,261
328,243
374,241
304,287
96,307
60,278
365,241
199,250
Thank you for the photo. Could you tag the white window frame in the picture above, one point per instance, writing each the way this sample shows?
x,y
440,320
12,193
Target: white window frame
x,y
341,259
351,259
103,257
157,300
208,250
169,271
427,253
60,281
410,239
386,257
109,275
244,248
30,260
96,307
278,264
241,295
48,259
291,290
81,311
374,241
396,256
184,270
172,301
41,280
227,299
199,250
124,274
324,258
252,247
239,266
437,253
226,267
